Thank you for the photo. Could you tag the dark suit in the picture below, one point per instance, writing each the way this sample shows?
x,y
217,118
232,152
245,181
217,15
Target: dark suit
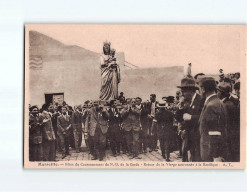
x,y
212,126
114,130
63,125
233,130
97,127
35,139
76,121
192,129
165,127
144,138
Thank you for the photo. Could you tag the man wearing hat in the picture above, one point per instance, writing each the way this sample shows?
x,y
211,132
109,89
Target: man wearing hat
x,y
164,119
96,126
191,112
212,124
35,135
76,121
233,131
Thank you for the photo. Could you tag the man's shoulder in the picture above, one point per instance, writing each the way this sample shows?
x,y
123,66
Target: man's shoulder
x,y
229,103
31,117
60,116
234,100
41,116
214,103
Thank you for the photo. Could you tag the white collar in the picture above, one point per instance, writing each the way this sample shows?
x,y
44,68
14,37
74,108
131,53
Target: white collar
x,y
193,98
224,99
209,97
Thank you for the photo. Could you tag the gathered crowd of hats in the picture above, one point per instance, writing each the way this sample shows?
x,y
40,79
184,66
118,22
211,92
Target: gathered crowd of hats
x,y
133,127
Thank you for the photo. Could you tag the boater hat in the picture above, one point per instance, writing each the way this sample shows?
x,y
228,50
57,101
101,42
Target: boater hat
x,y
188,83
162,104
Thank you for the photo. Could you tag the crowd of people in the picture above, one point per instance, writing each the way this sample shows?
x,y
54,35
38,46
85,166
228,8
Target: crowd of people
x,y
202,122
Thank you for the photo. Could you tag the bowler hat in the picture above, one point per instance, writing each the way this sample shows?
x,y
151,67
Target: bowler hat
x,y
188,83
224,87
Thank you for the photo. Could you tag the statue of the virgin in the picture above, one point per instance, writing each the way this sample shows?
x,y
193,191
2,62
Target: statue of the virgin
x,y
110,73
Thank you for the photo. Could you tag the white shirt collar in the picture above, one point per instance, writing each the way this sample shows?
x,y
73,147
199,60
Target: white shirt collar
x,y
209,97
193,98
223,99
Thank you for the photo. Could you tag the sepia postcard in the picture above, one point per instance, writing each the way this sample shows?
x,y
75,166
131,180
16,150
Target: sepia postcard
x,y
135,96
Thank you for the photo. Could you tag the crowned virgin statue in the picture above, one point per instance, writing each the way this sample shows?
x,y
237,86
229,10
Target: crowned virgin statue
x,y
110,73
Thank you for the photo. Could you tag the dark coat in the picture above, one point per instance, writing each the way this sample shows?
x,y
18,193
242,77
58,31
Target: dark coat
x,y
149,106
165,123
35,130
114,120
76,121
212,120
233,130
54,121
194,109
144,117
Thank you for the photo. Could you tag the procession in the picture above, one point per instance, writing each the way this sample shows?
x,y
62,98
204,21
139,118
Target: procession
x,y
201,122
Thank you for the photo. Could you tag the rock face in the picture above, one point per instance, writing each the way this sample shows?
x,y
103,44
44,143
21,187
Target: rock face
x,y
75,71
143,82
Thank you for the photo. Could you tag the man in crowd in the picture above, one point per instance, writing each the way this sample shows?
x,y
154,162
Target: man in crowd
x,y
222,77
144,124
64,125
96,126
49,149
121,97
71,132
191,114
164,119
237,77
114,128
212,124
233,131
132,126
237,90
54,114
76,121
35,135
152,124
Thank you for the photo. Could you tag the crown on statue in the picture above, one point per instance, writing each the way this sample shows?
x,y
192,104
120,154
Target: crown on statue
x,y
107,43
